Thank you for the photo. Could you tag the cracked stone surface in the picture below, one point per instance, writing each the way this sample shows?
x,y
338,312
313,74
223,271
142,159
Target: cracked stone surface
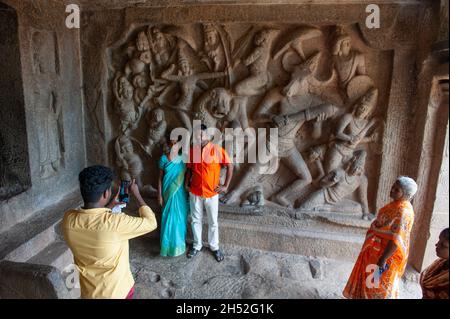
x,y
245,273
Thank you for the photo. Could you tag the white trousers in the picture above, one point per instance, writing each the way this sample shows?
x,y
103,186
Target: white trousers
x,y
211,206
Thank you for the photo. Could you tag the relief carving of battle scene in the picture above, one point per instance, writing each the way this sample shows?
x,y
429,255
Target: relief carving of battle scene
x,y
321,87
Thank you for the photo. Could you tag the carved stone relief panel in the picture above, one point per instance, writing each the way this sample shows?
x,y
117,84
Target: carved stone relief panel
x,y
318,85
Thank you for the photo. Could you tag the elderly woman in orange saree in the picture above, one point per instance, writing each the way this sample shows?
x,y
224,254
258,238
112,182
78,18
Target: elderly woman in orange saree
x,y
383,257
434,279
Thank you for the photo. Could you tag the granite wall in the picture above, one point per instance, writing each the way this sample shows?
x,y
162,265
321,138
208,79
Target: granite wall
x,y
49,62
86,100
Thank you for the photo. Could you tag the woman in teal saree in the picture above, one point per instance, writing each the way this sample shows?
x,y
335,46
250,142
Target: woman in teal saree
x,y
174,201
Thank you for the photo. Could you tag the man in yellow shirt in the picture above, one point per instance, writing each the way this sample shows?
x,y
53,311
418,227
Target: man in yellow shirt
x,y
98,238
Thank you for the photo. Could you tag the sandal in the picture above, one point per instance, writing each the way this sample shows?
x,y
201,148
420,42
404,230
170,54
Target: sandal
x,y
218,255
192,253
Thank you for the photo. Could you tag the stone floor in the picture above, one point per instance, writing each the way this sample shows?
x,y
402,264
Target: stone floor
x,y
245,273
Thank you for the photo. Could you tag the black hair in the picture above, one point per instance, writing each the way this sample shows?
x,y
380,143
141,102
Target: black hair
x,y
203,127
168,137
445,234
94,181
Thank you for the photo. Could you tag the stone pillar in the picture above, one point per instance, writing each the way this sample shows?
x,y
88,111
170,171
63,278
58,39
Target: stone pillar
x,y
394,160
431,200
440,214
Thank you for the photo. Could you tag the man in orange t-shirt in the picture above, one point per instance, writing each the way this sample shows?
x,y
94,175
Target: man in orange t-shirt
x,y
203,182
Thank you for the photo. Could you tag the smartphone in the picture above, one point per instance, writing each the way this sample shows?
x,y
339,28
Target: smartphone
x,y
124,197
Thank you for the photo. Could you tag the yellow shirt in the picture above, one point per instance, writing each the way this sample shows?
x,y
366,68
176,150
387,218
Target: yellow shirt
x,y
98,240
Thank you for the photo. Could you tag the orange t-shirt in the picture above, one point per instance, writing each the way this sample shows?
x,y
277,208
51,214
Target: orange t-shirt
x,y
206,169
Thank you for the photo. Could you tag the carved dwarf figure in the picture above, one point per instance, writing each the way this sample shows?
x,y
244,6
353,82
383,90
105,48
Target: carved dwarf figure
x,y
346,61
128,161
157,128
340,183
351,131
140,83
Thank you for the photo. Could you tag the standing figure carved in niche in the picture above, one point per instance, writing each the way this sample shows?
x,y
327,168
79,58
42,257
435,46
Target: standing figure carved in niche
x,y
50,133
157,128
289,119
188,83
340,183
352,130
128,161
346,61
257,62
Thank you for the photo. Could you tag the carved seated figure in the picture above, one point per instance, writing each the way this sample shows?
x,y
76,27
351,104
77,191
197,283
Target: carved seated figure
x,y
347,62
339,184
157,128
213,54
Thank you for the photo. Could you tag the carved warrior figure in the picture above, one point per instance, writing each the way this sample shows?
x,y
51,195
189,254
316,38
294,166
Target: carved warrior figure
x,y
257,62
157,128
347,62
188,82
126,107
340,183
289,120
316,156
163,48
213,54
140,56
128,161
352,130
50,132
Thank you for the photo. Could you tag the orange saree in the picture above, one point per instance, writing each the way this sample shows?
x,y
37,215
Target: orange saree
x,y
434,280
394,222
